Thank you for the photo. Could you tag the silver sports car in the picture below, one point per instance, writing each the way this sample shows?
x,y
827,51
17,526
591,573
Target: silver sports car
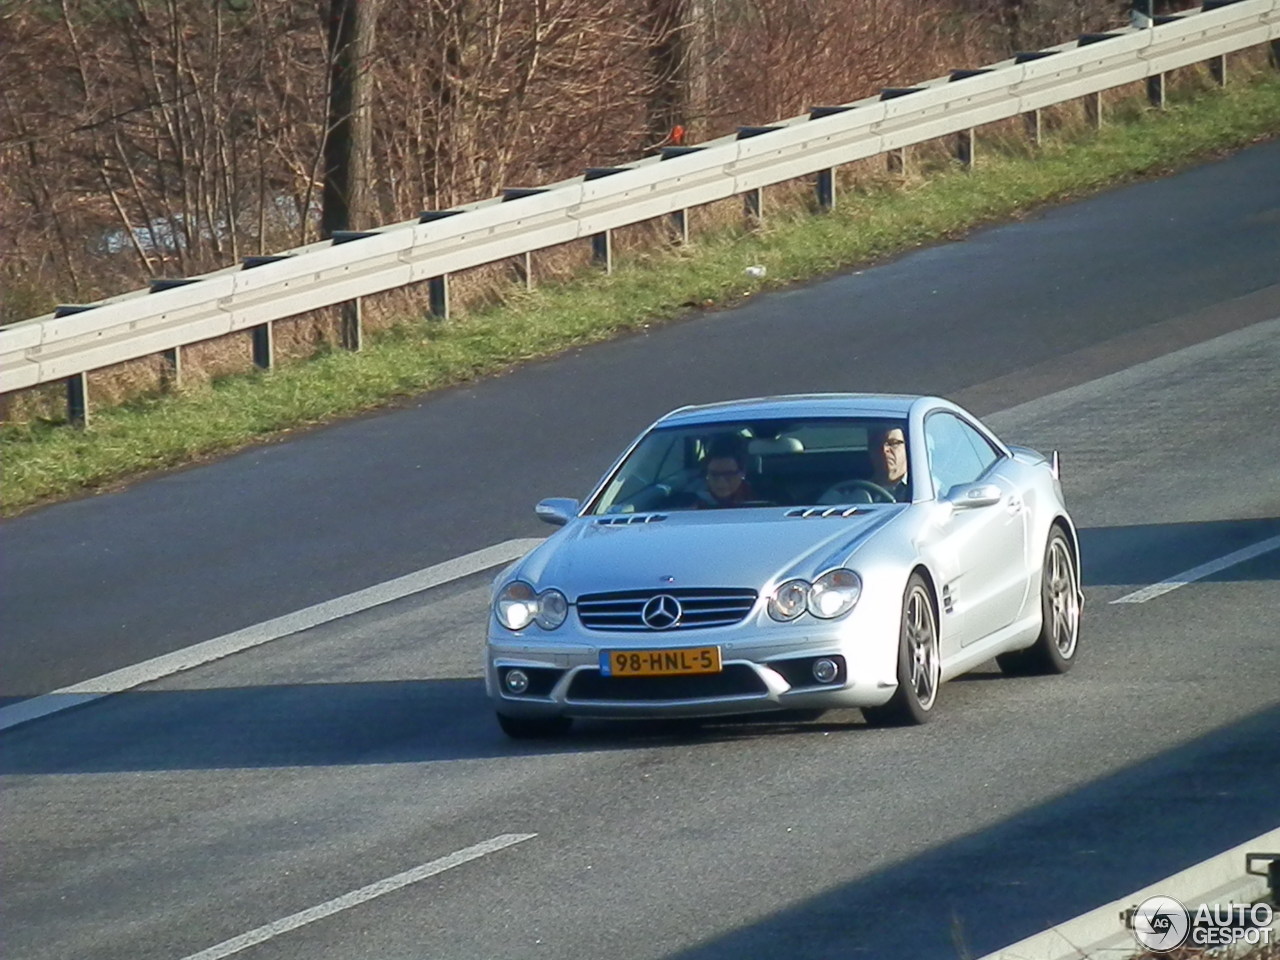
x,y
789,553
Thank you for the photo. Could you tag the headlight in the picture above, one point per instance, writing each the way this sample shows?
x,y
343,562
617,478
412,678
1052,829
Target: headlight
x,y
518,606
789,600
552,609
834,594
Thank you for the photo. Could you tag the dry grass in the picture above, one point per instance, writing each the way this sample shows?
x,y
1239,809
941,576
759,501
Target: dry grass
x,y
497,321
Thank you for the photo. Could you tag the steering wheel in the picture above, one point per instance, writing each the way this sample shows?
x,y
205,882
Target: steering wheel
x,y
839,493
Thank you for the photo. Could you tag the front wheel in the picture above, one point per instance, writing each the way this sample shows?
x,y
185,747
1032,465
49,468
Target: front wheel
x,y
1055,648
534,728
919,662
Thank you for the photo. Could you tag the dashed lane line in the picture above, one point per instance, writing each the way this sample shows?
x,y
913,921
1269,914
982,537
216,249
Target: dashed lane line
x,y
1200,572
357,897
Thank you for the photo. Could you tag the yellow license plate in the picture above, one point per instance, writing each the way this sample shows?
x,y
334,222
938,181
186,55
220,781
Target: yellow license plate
x,y
659,663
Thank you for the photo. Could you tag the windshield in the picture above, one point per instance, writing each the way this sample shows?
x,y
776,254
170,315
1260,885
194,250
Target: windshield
x,y
762,463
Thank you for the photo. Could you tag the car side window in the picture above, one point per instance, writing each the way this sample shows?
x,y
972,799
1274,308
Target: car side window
x,y
957,453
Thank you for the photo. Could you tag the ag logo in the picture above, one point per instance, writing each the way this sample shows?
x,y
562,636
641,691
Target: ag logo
x,y
1161,924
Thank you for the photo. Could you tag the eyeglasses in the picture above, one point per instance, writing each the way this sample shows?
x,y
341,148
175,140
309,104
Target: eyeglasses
x,y
895,443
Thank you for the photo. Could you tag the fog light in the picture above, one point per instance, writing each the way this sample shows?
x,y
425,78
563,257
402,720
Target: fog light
x,y
517,681
824,670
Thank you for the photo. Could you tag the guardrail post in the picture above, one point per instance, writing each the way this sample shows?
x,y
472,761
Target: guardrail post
x,y
1275,54
1155,90
1031,120
438,287
896,161
1218,69
1093,110
263,346
171,374
825,189
78,400
350,312
602,250
1035,127
753,207
524,270
680,226
171,360
438,297
351,324
964,148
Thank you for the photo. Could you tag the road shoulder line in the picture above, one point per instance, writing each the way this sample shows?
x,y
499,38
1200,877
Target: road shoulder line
x,y
1101,935
209,650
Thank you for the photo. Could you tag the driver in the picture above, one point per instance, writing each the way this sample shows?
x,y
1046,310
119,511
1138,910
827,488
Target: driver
x,y
887,448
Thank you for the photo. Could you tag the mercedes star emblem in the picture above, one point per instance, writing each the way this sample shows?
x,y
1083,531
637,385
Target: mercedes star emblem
x,y
662,612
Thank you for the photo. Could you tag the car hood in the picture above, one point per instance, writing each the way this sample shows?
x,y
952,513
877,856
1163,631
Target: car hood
x,y
739,548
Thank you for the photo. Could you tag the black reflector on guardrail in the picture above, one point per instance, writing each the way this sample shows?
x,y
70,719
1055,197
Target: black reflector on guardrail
x,y
67,309
745,133
346,236
1088,38
1216,5
518,193
670,153
1161,19
966,74
892,93
1028,55
169,283
431,216
248,263
817,113
595,173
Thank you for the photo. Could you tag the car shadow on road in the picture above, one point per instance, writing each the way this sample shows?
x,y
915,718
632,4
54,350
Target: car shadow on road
x,y
327,724
1057,860
1143,554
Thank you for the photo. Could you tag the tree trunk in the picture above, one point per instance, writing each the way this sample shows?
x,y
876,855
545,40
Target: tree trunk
x,y
348,200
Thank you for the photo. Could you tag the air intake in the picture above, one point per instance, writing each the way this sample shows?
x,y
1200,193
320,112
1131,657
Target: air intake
x,y
844,510
628,519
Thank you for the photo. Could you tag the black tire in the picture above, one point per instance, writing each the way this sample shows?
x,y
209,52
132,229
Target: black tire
x,y
919,662
1055,649
534,728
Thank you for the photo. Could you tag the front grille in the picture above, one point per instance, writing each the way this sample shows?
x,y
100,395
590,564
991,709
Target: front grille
x,y
735,679
700,607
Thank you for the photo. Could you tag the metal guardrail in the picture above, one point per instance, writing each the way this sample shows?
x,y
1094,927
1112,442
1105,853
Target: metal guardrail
x,y
73,340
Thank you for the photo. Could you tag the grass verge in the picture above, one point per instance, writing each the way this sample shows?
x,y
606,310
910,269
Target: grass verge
x,y
45,461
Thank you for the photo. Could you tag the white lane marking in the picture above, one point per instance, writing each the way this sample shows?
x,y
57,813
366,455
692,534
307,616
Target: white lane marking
x,y
260,633
357,897
1200,572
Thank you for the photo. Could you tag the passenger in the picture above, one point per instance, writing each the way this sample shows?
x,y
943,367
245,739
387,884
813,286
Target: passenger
x,y
726,476
887,448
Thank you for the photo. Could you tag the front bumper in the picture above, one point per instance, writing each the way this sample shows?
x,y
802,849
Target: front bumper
x,y
765,667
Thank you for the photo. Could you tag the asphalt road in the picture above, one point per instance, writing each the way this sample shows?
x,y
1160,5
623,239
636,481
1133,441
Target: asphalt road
x,y
164,821
1009,314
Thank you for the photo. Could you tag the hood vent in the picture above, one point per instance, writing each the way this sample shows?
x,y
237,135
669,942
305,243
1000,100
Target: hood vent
x,y
844,510
626,520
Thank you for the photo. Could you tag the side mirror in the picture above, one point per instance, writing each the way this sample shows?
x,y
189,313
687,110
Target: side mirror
x,y
557,511
968,496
